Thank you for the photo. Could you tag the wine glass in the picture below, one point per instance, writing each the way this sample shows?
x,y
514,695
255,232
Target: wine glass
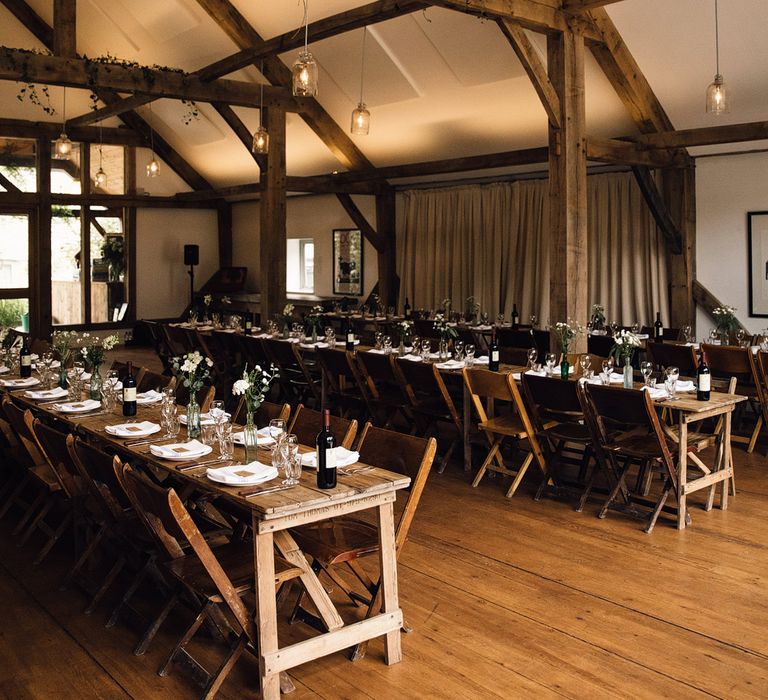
x,y
713,336
387,343
740,335
614,327
533,353
585,361
469,354
687,331
635,327
291,460
378,340
607,365
550,358
671,375
500,320
458,350
646,368
533,320
277,430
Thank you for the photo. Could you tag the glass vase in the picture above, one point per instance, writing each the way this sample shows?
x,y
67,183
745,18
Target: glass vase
x,y
564,368
628,372
401,348
286,331
63,380
193,417
314,335
250,438
96,383
442,350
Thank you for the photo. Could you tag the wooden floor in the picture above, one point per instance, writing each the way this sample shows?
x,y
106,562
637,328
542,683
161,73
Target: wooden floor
x,y
507,598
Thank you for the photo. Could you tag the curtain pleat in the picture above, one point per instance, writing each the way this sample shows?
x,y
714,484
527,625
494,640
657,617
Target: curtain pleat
x,y
491,242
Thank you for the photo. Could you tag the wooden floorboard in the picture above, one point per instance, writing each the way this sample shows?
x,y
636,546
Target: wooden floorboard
x,y
507,598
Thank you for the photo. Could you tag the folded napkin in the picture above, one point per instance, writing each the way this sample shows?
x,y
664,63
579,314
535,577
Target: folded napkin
x,y
289,340
380,318
685,385
228,330
537,373
85,376
344,458
599,333
205,418
55,364
77,406
482,327
180,450
643,336
150,396
413,358
205,328
482,360
263,437
318,344
375,351
263,335
656,392
450,364
243,474
4,369
255,329
133,429
56,393
116,384
18,383
617,378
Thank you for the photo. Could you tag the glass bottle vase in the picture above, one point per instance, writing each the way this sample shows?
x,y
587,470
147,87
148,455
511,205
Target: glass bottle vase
x,y
193,417
250,438
564,368
63,379
442,350
96,383
628,373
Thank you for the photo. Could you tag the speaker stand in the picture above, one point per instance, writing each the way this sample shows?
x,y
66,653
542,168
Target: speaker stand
x,y
191,274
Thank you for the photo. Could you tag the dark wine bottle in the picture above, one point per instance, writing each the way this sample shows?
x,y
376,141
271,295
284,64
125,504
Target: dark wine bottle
x,y
248,321
129,392
407,310
493,352
350,337
703,380
25,360
326,455
515,317
658,329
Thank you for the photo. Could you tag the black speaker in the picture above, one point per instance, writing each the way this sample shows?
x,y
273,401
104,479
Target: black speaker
x,y
191,254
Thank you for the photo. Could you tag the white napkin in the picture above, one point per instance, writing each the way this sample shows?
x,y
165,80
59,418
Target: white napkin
x,y
482,360
228,330
205,418
133,429
117,384
656,392
242,474
77,406
263,437
617,378
599,332
413,358
344,458
289,340
150,396
450,364
191,449
85,376
18,383
205,328
56,393
643,336
318,344
685,385
535,373
263,335
4,369
55,364
482,327
378,352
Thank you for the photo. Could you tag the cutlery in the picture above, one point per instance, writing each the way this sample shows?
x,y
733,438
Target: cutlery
x,y
259,492
356,470
190,467
146,441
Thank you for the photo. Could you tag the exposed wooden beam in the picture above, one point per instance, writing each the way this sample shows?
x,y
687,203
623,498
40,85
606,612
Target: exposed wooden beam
x,y
655,202
31,20
389,282
705,136
358,218
538,15
225,234
708,301
678,189
577,6
623,152
534,67
29,199
8,184
75,72
241,131
64,28
27,129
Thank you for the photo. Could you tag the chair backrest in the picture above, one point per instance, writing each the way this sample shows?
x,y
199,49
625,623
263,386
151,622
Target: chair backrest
x,y
514,356
266,412
508,338
728,360
378,371
404,454
53,446
30,452
154,380
672,355
550,398
422,381
252,351
204,397
97,469
601,345
338,364
307,423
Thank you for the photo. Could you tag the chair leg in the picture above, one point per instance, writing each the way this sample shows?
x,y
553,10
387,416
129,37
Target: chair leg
x,y
111,576
35,522
226,666
659,505
15,494
520,474
55,537
191,630
132,588
484,467
615,490
29,513
89,550
151,631
755,433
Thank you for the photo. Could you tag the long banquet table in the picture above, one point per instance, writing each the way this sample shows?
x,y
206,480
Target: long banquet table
x,y
272,515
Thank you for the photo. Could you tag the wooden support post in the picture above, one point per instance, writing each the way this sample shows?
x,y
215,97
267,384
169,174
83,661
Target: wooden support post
x,y
225,234
272,214
389,282
40,291
568,183
64,28
678,189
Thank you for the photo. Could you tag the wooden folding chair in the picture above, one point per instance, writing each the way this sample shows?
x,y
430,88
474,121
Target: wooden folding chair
x,y
347,539
204,397
266,412
486,387
154,380
307,423
294,376
665,355
218,579
378,372
345,389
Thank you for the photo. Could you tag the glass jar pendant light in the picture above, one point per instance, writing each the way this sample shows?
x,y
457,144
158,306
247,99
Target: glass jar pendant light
x,y
304,69
100,178
62,147
718,101
153,167
261,136
361,117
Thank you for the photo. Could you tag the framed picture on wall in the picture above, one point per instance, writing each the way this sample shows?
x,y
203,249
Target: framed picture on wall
x,y
757,227
347,261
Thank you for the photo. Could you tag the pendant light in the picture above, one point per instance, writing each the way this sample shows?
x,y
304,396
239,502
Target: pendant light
x,y
62,147
153,167
304,69
718,101
361,117
100,178
261,136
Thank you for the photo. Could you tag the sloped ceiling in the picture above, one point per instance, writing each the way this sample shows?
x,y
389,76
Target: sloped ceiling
x,y
440,84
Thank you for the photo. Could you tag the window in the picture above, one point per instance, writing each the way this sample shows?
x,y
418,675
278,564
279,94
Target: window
x,y
300,274
15,232
18,165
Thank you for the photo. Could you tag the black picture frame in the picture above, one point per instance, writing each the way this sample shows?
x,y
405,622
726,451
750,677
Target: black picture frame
x,y
757,246
348,261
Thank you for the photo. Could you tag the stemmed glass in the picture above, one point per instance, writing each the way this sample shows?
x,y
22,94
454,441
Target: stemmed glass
x,y
740,335
635,327
458,350
647,370
277,430
387,342
670,381
687,333
713,336
585,361
533,353
500,320
416,346
469,354
218,414
533,321
426,349
608,366
379,340
330,337
550,358
614,327
291,460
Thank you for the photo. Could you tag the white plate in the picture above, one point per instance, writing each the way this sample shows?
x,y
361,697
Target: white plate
x,y
237,474
205,418
181,455
261,441
77,407
20,383
127,430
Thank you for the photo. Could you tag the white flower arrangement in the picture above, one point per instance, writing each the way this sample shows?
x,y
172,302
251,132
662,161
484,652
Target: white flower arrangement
x,y
64,343
314,316
405,326
94,348
625,343
193,369
254,386
568,331
725,319
442,327
207,299
598,314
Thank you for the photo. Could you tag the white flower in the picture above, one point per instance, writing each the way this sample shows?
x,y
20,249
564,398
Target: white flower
x,y
207,299
209,361
240,387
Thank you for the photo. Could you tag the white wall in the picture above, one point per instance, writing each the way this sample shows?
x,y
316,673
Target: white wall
x,y
162,282
727,187
307,217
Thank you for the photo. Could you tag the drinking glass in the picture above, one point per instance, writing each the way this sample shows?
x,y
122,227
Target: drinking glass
x,y
647,369
687,333
172,425
226,441
533,321
378,340
671,375
208,434
550,358
277,430
291,460
330,337
484,318
469,354
500,320
714,336
608,365
387,343
218,413
458,350
416,346
585,361
426,349
614,327
740,335
635,327
533,353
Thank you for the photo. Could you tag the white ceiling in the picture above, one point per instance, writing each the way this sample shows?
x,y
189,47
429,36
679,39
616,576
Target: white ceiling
x,y
439,84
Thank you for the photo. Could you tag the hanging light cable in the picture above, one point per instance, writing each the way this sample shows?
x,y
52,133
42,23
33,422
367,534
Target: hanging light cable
x,y
717,94
261,136
153,167
62,147
100,178
304,69
361,117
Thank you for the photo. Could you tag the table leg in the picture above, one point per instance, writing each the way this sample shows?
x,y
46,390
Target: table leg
x,y
266,609
467,408
388,558
727,460
682,473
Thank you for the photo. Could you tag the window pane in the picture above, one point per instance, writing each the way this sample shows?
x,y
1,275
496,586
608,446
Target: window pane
x,y
308,265
108,254
14,251
11,311
66,261
65,174
18,164
300,272
110,160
